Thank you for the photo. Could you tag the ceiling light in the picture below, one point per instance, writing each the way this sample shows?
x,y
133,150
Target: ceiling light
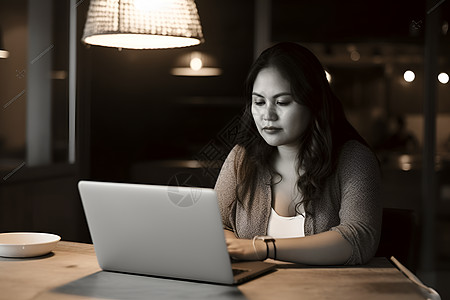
x,y
409,76
444,27
143,24
354,55
3,52
196,64
443,78
328,75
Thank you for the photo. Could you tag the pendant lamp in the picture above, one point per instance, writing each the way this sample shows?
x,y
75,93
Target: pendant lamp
x,y
3,52
143,24
196,64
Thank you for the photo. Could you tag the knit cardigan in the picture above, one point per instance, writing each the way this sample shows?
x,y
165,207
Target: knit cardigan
x,y
349,203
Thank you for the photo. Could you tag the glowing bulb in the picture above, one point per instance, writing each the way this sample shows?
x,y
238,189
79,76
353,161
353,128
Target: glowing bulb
x,y
196,63
328,76
409,76
354,55
445,28
405,162
443,78
4,54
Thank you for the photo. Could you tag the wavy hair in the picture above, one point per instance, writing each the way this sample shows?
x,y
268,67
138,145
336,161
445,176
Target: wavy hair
x,y
319,146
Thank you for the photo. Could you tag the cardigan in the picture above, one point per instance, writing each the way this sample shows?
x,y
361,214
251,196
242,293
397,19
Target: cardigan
x,y
349,202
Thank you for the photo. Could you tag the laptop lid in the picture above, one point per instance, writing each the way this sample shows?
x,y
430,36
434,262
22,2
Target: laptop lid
x,y
167,231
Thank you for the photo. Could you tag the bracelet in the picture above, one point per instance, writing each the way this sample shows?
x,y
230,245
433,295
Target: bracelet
x,y
274,250
254,247
266,240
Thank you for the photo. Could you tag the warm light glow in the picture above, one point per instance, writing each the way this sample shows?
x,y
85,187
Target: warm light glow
x,y
443,78
409,76
60,74
143,24
445,28
328,76
140,41
354,55
149,5
202,72
4,54
405,162
406,167
196,63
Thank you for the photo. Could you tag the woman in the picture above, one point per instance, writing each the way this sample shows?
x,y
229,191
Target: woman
x,y
301,175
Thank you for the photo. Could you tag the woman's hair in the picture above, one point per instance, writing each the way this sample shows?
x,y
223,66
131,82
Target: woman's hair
x,y
319,145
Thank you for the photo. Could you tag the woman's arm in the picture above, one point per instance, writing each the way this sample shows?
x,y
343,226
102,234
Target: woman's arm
x,y
360,206
355,239
225,188
326,248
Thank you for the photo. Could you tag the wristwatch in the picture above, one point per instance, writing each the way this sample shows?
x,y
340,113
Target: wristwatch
x,y
266,239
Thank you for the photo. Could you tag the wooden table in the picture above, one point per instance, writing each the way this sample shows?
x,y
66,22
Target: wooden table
x,y
71,272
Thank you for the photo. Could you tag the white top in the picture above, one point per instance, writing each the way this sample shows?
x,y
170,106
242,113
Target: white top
x,y
285,227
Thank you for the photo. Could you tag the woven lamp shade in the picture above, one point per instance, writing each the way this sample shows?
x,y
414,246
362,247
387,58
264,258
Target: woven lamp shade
x,y
143,24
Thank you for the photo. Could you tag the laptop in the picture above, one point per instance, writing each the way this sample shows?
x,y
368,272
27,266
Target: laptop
x,y
164,231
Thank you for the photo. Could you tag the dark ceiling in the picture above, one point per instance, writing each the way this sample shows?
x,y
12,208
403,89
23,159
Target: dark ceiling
x,y
351,20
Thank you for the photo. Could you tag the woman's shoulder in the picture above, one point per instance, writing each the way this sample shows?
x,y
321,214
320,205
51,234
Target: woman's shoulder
x,y
354,147
236,153
354,152
233,159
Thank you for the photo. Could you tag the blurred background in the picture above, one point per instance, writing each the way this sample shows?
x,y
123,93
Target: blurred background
x,y
71,111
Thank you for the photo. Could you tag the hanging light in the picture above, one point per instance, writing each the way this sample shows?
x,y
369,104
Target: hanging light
x,y
143,24
3,52
196,64
443,78
328,75
409,76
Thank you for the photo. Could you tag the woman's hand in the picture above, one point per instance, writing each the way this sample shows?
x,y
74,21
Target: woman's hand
x,y
326,248
242,249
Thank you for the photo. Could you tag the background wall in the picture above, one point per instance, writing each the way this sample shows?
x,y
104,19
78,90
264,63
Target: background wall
x,y
140,112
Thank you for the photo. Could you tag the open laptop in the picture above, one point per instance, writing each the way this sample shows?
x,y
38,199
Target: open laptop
x,y
166,231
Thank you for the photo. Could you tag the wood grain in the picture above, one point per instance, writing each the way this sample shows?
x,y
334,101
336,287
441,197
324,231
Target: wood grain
x,y
71,272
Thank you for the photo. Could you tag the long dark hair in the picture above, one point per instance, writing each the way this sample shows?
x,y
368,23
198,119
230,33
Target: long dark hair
x,y
327,132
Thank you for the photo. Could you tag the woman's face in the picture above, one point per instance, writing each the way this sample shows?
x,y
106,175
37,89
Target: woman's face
x,y
279,119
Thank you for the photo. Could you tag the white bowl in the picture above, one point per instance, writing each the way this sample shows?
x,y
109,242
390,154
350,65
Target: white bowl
x,y
27,244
